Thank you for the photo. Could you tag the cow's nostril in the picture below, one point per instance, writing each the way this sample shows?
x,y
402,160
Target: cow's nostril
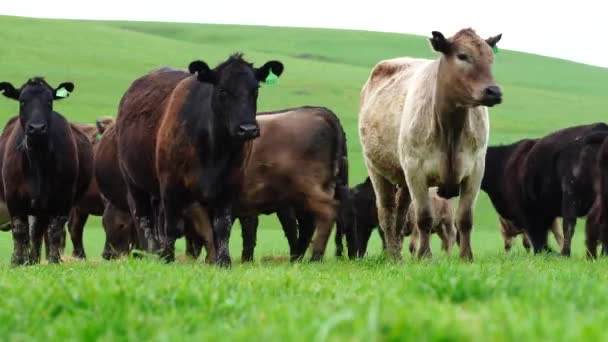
x,y
493,91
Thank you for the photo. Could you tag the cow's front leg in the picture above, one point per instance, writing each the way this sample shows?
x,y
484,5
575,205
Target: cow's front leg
x,y
55,232
222,224
385,204
469,190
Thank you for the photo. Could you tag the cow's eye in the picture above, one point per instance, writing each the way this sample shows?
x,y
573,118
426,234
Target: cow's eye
x,y
462,57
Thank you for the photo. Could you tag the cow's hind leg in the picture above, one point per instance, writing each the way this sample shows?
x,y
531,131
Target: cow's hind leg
x,y
287,218
249,231
385,204
77,221
557,233
591,236
322,205
142,212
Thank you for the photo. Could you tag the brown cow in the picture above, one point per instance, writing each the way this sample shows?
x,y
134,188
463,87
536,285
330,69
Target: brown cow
x,y
46,168
424,123
180,146
90,203
510,231
120,231
299,161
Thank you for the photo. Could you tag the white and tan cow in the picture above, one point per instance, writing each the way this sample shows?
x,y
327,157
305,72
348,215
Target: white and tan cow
x,y
423,123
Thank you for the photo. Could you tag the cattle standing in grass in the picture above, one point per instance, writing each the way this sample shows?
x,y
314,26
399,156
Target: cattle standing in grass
x,y
362,214
597,218
299,161
47,166
180,144
532,182
509,232
91,203
423,123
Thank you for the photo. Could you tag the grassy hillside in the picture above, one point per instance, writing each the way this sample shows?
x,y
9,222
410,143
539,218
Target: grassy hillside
x,y
501,297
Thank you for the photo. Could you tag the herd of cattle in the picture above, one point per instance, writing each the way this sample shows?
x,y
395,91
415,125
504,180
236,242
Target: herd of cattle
x,y
188,154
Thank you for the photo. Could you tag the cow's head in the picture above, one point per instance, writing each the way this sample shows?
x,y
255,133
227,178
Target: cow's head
x,y
36,98
466,67
235,92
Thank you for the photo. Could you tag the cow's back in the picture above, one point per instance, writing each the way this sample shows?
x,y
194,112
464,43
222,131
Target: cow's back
x,y
381,111
140,112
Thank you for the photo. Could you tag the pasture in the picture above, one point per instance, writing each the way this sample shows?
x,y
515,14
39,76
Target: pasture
x,y
498,297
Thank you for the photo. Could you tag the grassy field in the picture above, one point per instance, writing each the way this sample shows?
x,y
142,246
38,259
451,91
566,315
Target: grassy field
x,y
498,297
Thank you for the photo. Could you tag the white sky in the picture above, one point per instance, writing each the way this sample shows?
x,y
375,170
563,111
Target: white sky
x,y
575,30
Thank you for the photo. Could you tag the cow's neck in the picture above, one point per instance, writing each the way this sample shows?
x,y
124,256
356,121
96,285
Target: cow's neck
x,y
449,120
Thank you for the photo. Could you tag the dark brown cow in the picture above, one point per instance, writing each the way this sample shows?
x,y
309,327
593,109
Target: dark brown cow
x,y
297,169
180,146
121,236
90,203
597,219
47,166
532,182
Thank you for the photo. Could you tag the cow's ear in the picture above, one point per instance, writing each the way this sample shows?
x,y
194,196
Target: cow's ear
x,y
203,72
269,72
63,90
492,41
439,43
9,91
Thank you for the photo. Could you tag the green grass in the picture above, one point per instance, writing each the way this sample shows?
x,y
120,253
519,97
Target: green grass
x,y
498,297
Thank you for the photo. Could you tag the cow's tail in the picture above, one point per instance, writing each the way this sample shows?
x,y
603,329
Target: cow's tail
x,y
340,160
345,218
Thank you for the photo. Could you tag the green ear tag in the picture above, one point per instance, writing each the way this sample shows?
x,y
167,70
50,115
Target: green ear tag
x,y
98,136
62,92
271,78
495,49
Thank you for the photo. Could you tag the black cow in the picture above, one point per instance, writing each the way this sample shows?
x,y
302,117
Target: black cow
x,y
46,167
533,181
362,214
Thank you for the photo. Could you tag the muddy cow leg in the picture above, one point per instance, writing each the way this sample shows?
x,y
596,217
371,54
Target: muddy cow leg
x,y
77,221
249,229
39,227
287,218
385,204
142,212
21,240
56,226
557,233
222,224
507,237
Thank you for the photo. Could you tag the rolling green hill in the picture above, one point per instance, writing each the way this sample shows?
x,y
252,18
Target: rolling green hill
x,y
498,297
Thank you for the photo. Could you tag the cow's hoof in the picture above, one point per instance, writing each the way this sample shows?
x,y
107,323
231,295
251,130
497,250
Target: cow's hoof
x,y
19,259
